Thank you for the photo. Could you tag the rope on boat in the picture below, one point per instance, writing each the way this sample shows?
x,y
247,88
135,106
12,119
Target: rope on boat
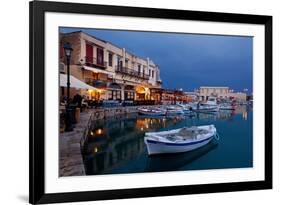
x,y
217,137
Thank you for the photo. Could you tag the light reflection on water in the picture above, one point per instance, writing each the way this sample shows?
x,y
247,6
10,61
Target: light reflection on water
x,y
116,145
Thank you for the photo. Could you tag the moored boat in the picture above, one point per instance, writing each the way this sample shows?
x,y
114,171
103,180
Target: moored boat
x,y
185,108
212,101
226,107
151,112
207,108
174,110
179,140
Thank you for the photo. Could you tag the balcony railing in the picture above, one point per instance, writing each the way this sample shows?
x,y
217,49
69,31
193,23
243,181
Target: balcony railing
x,y
93,62
131,72
159,81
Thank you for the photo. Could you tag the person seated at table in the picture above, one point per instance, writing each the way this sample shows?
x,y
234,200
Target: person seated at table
x,y
63,100
84,103
77,100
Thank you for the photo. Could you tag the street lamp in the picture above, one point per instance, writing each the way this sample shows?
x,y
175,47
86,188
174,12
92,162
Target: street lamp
x,y
67,51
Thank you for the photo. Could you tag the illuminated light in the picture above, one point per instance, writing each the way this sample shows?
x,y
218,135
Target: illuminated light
x,y
96,150
99,131
141,128
92,133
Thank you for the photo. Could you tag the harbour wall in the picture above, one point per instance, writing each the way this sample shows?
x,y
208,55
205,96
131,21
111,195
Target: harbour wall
x,y
71,143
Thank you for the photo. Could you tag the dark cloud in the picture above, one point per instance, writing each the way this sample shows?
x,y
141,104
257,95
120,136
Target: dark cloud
x,y
188,61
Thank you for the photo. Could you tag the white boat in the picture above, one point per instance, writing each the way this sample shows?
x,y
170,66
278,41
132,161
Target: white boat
x,y
212,101
211,105
151,112
226,107
174,110
185,108
179,140
206,108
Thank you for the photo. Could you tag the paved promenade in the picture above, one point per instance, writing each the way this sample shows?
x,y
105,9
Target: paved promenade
x,y
70,156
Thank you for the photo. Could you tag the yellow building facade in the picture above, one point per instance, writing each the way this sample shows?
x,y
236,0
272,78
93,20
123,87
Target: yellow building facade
x,y
116,73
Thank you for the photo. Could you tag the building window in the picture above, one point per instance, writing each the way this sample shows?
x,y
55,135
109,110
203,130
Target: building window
x,y
114,95
133,65
110,59
149,72
126,63
119,63
139,69
153,74
129,95
89,53
99,56
110,95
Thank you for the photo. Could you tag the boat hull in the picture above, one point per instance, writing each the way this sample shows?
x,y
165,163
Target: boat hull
x,y
206,110
175,112
227,109
155,147
152,114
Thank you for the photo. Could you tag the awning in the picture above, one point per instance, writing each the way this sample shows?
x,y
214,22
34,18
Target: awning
x,y
114,86
74,83
96,70
99,84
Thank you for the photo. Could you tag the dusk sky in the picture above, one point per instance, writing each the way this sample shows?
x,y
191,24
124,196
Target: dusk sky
x,y
189,61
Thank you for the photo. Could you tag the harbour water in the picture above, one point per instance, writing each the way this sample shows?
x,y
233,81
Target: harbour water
x,y
116,145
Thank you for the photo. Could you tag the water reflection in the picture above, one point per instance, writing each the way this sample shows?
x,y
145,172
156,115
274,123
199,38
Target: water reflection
x,y
116,145
176,161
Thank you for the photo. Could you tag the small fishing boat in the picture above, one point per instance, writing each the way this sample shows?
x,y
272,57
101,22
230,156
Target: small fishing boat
x,y
209,106
185,108
212,101
151,112
226,107
206,108
174,110
179,140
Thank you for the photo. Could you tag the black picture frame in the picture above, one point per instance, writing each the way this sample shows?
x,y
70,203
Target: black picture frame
x,y
37,194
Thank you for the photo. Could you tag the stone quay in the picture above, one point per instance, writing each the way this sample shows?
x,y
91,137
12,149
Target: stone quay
x,y
71,143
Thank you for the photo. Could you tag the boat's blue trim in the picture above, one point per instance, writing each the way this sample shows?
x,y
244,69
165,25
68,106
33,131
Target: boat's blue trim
x,y
179,144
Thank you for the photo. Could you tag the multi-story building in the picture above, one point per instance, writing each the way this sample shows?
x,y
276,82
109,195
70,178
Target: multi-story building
x,y
193,96
116,73
220,92
205,92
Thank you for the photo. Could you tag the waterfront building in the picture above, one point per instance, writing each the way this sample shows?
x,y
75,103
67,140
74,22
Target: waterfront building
x,y
169,96
192,96
205,92
115,73
238,96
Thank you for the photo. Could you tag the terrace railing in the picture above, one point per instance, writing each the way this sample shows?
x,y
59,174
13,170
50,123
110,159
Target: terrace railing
x,y
131,72
94,62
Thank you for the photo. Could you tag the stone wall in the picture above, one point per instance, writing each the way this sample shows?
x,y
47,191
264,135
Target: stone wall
x,y
98,114
70,143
